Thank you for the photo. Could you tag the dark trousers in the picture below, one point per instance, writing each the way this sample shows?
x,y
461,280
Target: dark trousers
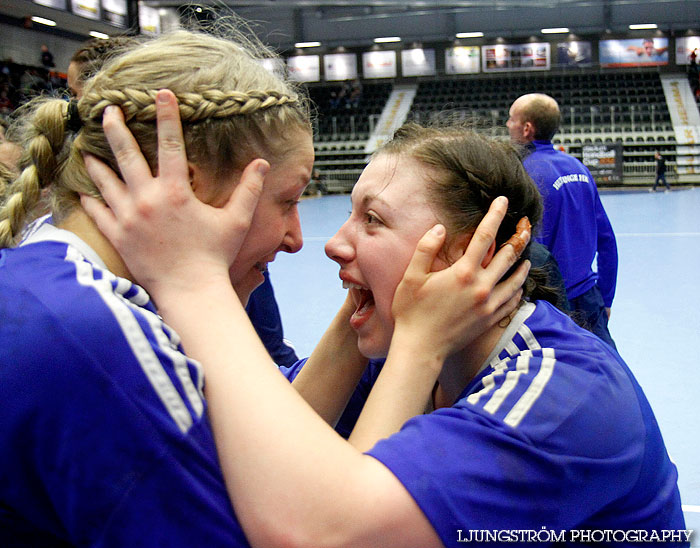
x,y
661,177
589,312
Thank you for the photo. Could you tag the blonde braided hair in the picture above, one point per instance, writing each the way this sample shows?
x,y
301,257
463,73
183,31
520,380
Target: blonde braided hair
x,y
233,110
43,152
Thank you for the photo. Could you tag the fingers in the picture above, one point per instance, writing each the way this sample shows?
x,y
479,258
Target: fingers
x,y
485,233
426,251
510,251
521,237
172,158
504,291
245,196
102,215
110,186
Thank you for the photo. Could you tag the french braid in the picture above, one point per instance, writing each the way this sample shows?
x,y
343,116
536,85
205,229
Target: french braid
x,y
233,110
139,105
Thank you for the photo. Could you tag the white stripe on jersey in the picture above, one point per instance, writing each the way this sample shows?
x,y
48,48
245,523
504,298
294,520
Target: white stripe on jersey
x,y
168,342
523,405
521,366
140,346
488,382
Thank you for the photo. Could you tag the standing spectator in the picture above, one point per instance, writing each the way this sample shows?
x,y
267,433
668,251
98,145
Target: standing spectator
x,y
47,57
575,226
660,172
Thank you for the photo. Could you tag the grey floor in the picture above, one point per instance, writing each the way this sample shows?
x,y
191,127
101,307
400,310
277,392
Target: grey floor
x,y
654,317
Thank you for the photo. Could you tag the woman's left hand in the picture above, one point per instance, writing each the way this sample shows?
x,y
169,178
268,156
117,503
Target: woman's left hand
x,y
168,238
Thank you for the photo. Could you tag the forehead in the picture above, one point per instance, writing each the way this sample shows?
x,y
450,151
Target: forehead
x,y
395,178
294,166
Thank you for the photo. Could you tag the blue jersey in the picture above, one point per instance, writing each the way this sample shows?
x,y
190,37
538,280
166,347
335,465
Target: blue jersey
x,y
553,432
575,226
104,439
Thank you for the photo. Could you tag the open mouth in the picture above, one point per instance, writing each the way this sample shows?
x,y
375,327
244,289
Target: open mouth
x,y
364,302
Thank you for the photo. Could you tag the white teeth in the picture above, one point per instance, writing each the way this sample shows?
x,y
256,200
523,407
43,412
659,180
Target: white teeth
x,y
350,285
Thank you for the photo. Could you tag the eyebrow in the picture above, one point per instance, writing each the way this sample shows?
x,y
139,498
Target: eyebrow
x,y
368,198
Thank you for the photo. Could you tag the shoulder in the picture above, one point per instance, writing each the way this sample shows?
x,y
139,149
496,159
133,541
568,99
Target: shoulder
x,y
557,384
80,326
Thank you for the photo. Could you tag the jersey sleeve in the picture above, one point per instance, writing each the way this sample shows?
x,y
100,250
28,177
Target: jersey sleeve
x,y
483,465
607,254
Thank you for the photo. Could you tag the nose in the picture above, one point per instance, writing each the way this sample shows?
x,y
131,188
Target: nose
x,y
293,238
339,248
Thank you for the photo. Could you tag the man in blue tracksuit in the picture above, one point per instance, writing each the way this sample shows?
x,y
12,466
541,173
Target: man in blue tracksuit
x,y
575,226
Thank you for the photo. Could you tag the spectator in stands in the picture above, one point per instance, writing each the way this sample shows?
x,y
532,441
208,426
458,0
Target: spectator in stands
x,y
660,172
355,93
316,185
47,57
575,226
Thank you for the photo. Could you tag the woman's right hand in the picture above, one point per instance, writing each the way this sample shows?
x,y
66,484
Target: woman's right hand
x,y
450,308
169,239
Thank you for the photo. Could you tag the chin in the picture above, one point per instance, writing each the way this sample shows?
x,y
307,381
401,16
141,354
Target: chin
x,y
372,349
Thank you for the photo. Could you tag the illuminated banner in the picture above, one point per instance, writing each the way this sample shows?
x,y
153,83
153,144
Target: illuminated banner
x,y
114,11
379,64
574,54
604,161
515,57
56,4
418,62
274,64
340,66
684,47
86,8
304,68
149,19
639,52
462,60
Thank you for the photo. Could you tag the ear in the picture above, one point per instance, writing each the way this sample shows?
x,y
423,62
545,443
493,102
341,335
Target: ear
x,y
459,245
195,175
203,184
529,131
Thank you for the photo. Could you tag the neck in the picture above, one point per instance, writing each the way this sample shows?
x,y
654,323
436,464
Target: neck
x,y
460,368
79,223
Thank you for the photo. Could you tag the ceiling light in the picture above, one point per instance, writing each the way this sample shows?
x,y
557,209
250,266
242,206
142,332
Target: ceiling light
x,y
387,39
644,26
307,44
101,35
556,30
43,21
469,34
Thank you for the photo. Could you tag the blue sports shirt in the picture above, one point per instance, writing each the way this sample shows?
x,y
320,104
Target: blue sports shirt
x,y
104,438
553,432
574,226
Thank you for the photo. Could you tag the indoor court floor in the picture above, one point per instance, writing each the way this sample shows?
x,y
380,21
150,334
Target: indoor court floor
x,y
654,318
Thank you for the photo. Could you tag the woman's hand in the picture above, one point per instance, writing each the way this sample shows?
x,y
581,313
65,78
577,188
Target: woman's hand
x,y
169,239
450,308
